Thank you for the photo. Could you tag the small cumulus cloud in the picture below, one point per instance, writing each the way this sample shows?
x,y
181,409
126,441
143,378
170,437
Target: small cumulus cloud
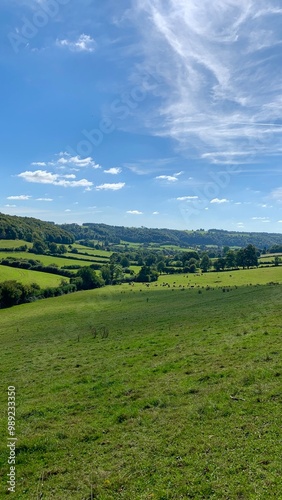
x,y
39,176
134,212
21,197
77,161
44,177
84,43
168,178
111,187
219,201
113,171
39,164
187,198
156,213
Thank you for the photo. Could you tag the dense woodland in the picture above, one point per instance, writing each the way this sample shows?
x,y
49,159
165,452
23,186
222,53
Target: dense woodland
x,y
201,238
30,229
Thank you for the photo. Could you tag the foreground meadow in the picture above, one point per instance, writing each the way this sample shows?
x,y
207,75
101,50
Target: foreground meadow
x,y
146,393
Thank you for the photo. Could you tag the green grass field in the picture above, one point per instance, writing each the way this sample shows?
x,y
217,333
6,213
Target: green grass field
x,y
47,259
226,278
269,257
182,398
93,259
14,243
92,251
25,276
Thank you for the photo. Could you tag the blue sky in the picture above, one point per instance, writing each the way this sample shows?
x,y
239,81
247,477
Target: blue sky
x,y
161,113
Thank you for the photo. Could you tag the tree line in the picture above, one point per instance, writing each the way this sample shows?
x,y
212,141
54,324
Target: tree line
x,y
30,229
185,238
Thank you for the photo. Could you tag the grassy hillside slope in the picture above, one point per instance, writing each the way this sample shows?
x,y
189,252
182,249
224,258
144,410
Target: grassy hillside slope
x,y
26,276
181,399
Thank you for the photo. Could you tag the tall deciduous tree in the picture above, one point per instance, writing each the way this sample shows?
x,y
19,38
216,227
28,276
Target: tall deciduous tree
x,y
205,263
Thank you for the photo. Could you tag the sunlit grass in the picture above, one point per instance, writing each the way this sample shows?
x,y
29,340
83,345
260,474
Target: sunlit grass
x,y
181,400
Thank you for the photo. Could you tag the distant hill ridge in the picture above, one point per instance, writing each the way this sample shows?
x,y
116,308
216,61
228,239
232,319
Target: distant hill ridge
x,y
29,229
185,238
13,227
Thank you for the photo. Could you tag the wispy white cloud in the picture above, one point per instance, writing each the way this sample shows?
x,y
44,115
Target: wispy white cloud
x,y
21,197
150,166
276,194
220,91
84,43
111,186
134,212
44,199
113,171
260,218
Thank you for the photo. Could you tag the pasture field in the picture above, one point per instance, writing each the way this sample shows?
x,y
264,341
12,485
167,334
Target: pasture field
x,y
145,393
269,257
92,251
91,258
26,276
226,278
47,259
14,244
136,269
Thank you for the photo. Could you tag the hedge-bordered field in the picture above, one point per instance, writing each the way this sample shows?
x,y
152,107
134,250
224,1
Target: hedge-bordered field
x,y
25,276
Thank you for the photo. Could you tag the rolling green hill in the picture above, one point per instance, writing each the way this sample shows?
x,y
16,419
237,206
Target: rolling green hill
x,y
213,237
145,393
29,229
25,277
